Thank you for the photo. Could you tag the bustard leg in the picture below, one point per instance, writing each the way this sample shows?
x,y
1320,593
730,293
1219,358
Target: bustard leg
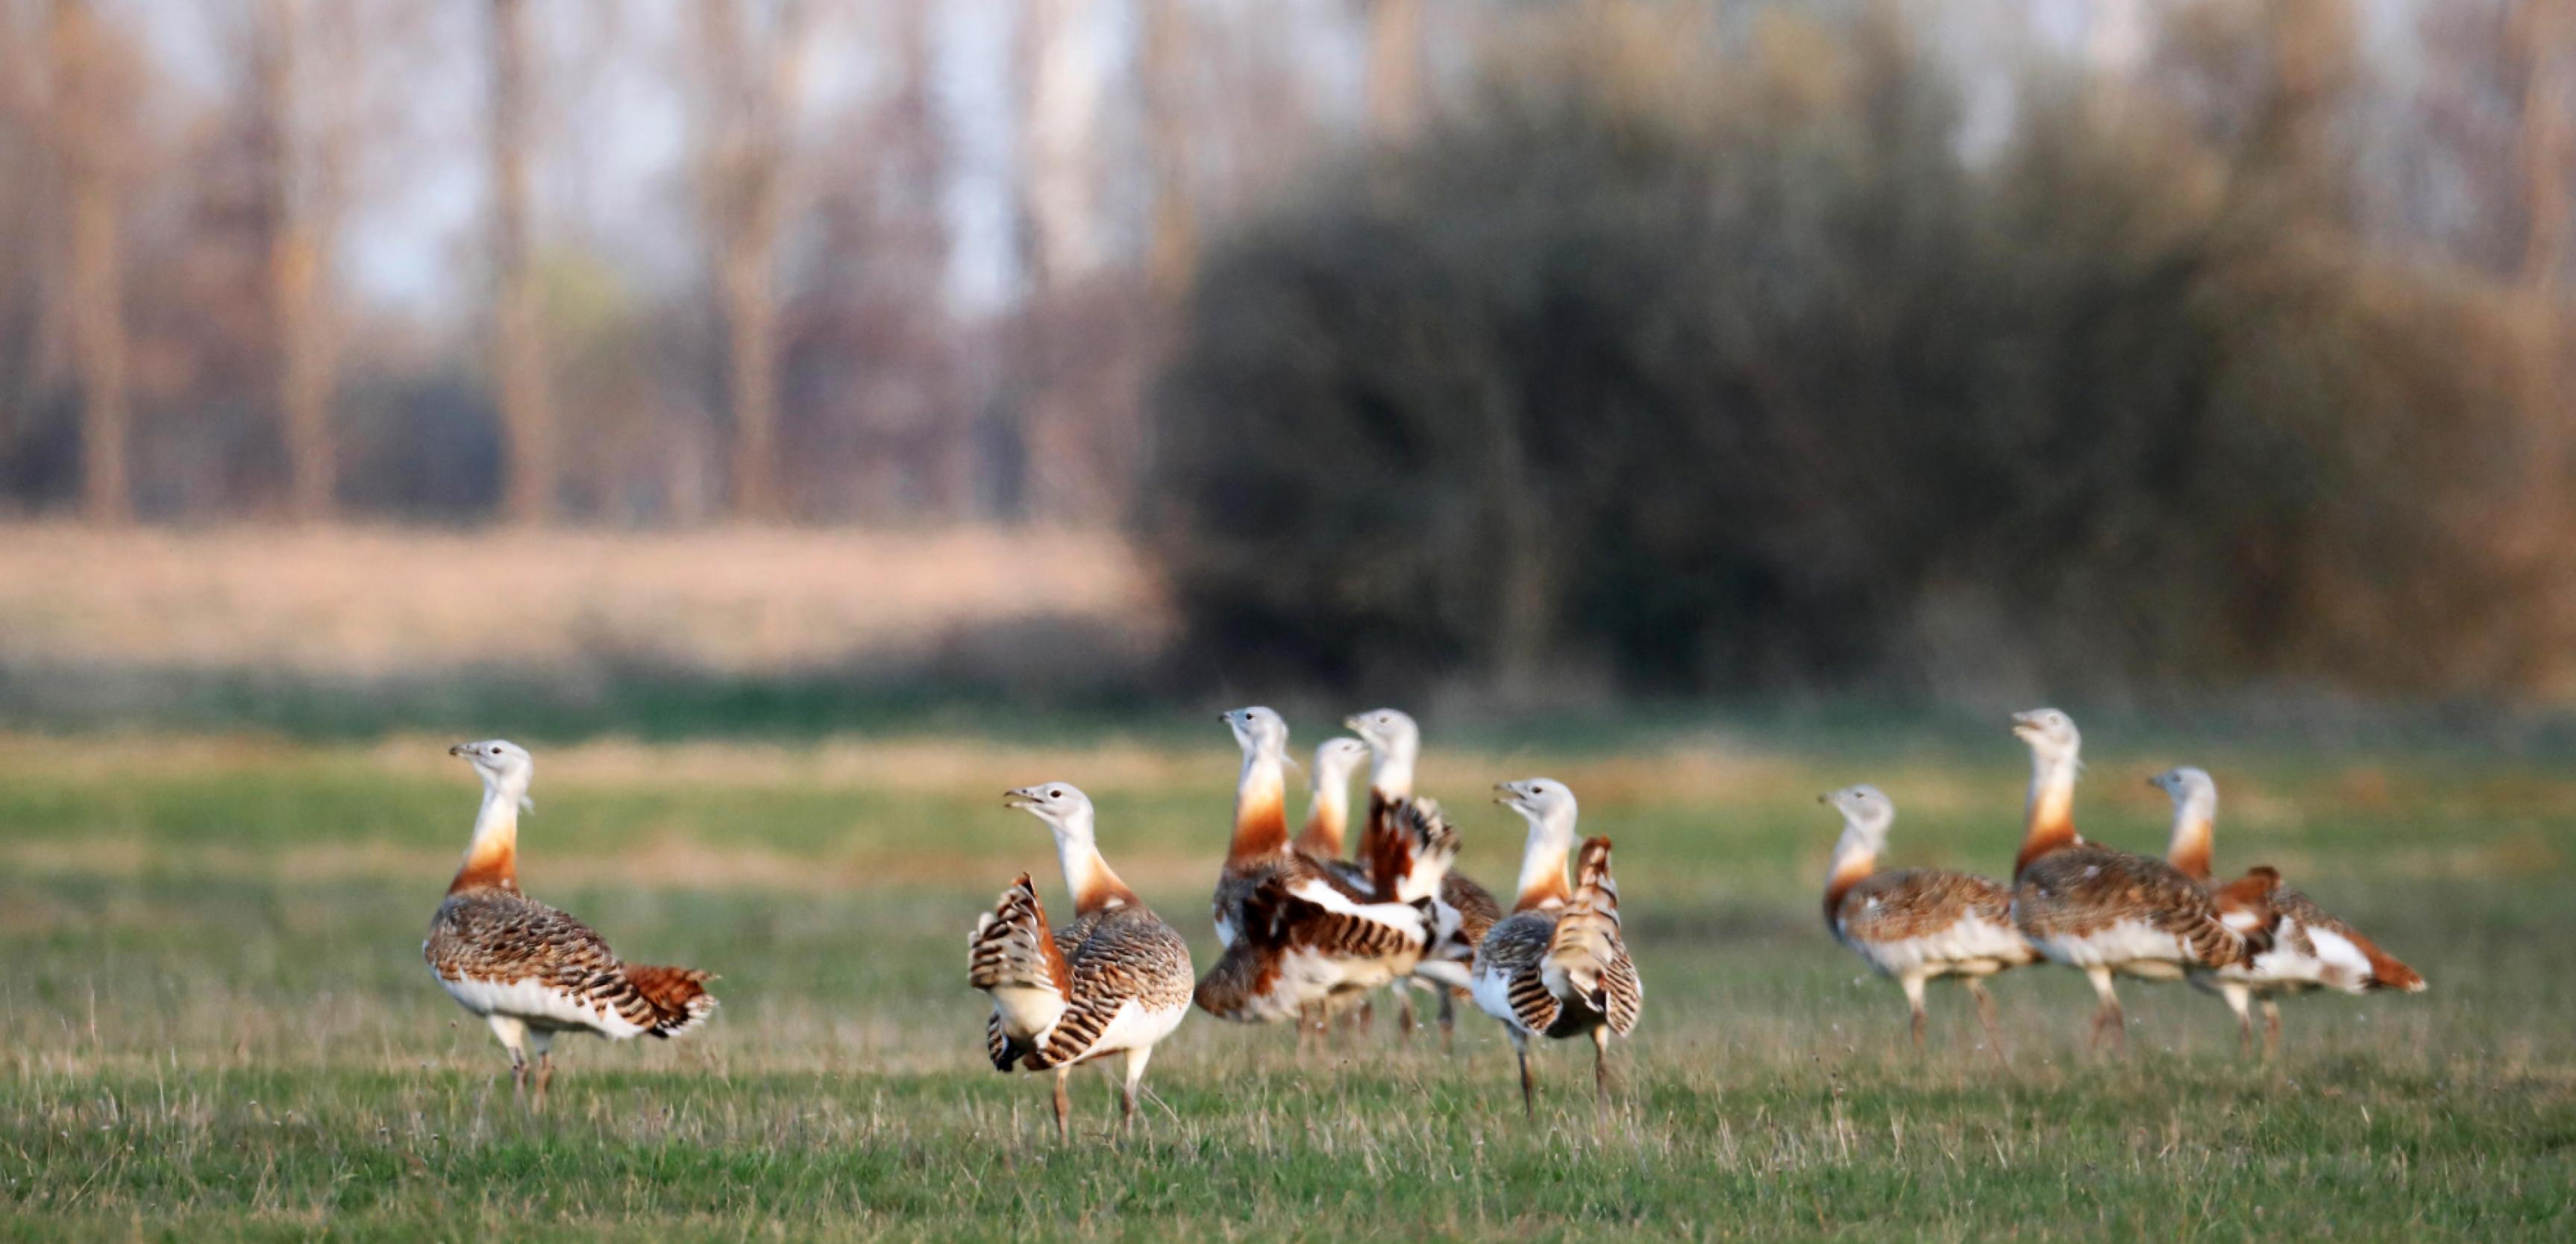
x,y
1306,1026
543,1043
2271,1027
1361,1019
2236,996
1986,1015
513,1036
1601,1064
1063,1131
1136,1059
1448,1021
1404,1011
2107,1015
1529,1091
1914,1003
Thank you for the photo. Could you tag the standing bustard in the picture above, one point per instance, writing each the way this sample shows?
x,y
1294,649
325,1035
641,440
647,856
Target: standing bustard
x,y
2310,948
529,970
2106,911
1115,980
1395,745
1921,923
1556,966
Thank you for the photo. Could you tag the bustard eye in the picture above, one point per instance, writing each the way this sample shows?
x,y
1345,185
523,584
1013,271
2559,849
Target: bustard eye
x,y
1055,794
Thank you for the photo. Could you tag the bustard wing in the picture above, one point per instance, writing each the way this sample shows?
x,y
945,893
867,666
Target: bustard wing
x,y
2080,891
1130,957
508,953
1587,961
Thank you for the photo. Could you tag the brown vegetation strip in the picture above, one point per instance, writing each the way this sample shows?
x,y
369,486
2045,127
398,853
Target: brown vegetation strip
x,y
386,602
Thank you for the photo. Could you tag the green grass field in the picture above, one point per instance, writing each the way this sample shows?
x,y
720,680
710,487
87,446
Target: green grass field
x,y
216,1025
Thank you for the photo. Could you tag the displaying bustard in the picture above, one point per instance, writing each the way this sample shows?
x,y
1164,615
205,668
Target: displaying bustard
x,y
1116,980
2104,911
530,970
1395,745
1556,966
2310,949
1921,923
1296,937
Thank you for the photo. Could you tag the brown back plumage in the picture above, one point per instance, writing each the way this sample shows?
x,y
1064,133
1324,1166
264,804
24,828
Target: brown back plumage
x,y
500,936
1916,902
2081,890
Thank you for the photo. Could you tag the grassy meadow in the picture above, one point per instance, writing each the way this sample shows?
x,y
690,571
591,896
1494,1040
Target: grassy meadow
x,y
215,1024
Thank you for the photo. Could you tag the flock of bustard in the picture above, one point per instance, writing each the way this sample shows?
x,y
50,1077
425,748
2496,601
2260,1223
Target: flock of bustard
x,y
1310,935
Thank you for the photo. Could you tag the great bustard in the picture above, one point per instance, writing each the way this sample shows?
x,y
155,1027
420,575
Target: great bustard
x,y
1921,923
2310,949
1114,981
1556,966
1395,745
2104,911
530,970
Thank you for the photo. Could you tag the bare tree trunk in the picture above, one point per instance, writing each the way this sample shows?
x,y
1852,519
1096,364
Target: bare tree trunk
x,y
1172,251
2545,153
754,77
96,284
518,362
1394,67
1058,129
303,171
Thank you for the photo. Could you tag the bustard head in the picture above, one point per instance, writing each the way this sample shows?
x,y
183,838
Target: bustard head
x,y
1258,730
1386,730
1062,805
1337,758
504,766
2183,782
2050,733
1545,801
1867,811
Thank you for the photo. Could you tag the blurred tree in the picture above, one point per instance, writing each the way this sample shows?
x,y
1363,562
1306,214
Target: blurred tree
x,y
303,55
518,345
93,80
753,55
1705,376
1394,67
1163,70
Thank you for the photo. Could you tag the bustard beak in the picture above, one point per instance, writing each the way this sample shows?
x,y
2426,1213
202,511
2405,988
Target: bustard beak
x,y
457,750
1023,797
1352,722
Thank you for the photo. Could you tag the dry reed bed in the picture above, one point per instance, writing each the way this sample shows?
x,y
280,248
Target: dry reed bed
x,y
380,601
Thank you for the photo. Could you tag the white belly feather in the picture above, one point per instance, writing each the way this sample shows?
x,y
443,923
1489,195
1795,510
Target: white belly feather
x,y
2133,946
540,1005
1969,947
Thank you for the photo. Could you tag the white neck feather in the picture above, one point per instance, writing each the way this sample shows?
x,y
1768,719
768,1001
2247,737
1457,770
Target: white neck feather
x,y
1551,839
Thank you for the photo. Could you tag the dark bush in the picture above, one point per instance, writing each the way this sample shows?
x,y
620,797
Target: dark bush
x,y
1704,379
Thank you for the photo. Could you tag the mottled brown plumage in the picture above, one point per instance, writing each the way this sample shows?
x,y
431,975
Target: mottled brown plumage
x,y
2086,890
1916,902
500,937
